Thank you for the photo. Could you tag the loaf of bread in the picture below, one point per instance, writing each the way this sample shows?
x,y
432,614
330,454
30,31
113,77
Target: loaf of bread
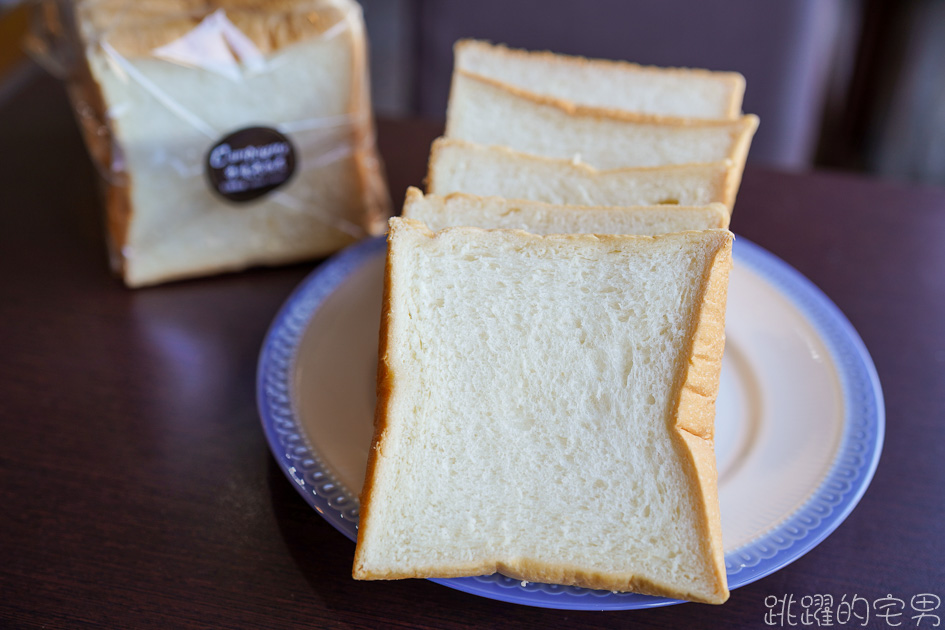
x,y
458,166
490,113
460,209
545,410
680,92
166,94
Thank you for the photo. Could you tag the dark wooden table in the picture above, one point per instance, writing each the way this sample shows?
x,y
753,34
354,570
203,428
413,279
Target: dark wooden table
x,y
137,489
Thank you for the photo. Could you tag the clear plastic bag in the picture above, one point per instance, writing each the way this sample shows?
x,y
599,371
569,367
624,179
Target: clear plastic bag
x,y
229,133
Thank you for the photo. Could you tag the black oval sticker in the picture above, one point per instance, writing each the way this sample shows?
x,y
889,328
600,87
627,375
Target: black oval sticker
x,y
250,162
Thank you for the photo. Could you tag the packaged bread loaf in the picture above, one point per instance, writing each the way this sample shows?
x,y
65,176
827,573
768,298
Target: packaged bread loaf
x,y
230,133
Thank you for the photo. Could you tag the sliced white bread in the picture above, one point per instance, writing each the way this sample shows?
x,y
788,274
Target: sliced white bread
x,y
458,166
461,209
490,113
546,408
681,92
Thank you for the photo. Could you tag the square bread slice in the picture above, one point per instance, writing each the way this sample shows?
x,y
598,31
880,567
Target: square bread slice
x,y
461,209
490,113
680,92
546,410
458,166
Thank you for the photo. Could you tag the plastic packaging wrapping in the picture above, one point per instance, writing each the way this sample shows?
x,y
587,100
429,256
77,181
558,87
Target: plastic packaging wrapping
x,y
229,133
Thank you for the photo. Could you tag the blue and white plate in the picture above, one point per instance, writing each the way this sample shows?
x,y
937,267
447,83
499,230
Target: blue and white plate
x,y
799,423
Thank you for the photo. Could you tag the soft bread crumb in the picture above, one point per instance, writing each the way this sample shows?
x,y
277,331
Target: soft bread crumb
x,y
531,384
460,166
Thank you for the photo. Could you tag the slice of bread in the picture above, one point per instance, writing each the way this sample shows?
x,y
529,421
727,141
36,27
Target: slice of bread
x,y
457,166
681,92
460,209
490,113
546,408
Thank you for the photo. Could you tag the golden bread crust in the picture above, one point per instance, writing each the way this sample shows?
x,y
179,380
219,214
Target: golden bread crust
x,y
695,409
385,388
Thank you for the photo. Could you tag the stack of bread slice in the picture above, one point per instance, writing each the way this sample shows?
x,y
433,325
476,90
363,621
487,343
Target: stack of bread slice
x,y
594,128
553,330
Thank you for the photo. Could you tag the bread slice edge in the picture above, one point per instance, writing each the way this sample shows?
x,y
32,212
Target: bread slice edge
x,y
734,80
